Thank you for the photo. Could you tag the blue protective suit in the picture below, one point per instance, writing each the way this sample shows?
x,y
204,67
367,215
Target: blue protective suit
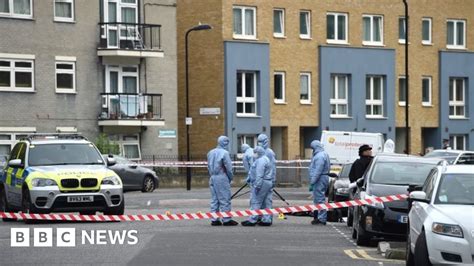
x,y
264,142
318,174
261,185
219,166
247,159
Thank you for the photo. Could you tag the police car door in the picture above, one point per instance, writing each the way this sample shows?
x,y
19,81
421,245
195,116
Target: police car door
x,y
14,175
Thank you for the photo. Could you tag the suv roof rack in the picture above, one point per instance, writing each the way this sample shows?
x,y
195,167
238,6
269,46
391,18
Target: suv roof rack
x,y
43,136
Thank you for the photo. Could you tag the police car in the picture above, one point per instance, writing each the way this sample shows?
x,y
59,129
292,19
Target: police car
x,y
59,173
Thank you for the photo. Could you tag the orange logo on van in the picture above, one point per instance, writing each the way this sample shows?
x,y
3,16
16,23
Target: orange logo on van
x,y
331,140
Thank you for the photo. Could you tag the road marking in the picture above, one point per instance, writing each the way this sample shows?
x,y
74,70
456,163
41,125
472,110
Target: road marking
x,y
351,254
361,254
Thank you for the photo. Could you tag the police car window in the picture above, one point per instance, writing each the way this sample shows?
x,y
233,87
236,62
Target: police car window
x,y
467,158
14,152
22,153
63,154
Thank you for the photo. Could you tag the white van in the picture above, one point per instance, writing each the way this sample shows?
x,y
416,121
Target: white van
x,y
343,147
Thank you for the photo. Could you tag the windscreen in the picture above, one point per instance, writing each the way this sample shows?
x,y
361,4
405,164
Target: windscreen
x,y
456,189
401,173
63,154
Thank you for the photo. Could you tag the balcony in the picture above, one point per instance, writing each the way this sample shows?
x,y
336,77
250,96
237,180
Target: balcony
x,y
130,40
131,109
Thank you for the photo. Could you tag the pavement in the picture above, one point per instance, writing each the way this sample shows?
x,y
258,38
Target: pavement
x,y
292,241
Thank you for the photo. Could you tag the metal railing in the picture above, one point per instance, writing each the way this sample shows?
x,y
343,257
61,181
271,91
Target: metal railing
x,y
130,36
145,106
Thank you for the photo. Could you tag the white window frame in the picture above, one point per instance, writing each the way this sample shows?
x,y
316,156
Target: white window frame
x,y
402,41
430,22
371,42
65,71
455,31
122,143
14,15
430,91
336,28
283,88
14,138
337,100
373,102
12,69
308,24
64,19
244,99
121,75
282,23
453,140
244,140
401,103
242,11
455,103
308,101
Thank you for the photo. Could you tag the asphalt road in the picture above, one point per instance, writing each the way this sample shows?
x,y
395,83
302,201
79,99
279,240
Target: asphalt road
x,y
292,241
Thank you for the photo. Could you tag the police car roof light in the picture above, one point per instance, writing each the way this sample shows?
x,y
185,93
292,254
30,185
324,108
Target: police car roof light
x,y
46,136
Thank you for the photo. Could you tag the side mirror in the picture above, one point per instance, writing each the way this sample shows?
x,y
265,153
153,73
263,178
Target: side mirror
x,y
111,161
412,188
419,196
15,163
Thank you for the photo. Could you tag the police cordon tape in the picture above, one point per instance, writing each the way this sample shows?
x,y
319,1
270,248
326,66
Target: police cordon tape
x,y
203,163
198,215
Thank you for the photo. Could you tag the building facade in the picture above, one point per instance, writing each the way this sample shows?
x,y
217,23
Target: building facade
x,y
292,69
92,67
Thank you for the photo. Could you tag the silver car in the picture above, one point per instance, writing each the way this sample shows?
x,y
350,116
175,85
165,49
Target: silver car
x,y
134,177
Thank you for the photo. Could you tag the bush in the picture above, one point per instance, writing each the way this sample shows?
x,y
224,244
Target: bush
x,y
106,146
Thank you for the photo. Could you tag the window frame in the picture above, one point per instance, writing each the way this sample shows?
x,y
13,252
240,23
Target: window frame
x,y
121,75
282,23
121,141
283,87
66,71
455,32
244,99
13,69
244,141
245,36
404,40
453,141
430,21
430,91
371,42
400,102
64,19
337,100
454,103
373,102
308,25
11,13
336,28
306,101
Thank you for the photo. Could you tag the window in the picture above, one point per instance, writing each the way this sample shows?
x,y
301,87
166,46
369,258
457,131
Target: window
x,y
305,88
16,8
336,27
457,99
245,23
247,93
64,10
279,22
121,79
458,142
374,96
339,96
456,34
250,140
120,11
16,75
426,91
129,145
466,158
402,30
305,24
402,86
8,141
373,30
426,30
279,87
65,77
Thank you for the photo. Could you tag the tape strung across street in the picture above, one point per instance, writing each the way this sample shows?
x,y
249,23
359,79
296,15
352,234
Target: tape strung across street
x,y
198,216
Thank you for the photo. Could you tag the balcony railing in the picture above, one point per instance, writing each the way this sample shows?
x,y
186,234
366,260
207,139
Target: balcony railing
x,y
130,36
130,106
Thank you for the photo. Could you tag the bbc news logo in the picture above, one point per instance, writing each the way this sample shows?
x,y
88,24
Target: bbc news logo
x,y
66,237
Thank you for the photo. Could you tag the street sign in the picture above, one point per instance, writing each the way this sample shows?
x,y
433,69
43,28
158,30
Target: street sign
x,y
167,134
189,121
210,111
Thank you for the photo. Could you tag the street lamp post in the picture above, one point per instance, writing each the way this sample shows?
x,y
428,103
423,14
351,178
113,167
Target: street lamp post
x,y
188,169
407,78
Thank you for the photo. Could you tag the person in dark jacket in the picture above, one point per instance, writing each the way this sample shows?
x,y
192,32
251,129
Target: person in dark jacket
x,y
360,165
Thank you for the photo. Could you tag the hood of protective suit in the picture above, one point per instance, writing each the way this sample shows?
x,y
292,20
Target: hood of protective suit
x,y
260,151
244,147
223,142
317,146
263,141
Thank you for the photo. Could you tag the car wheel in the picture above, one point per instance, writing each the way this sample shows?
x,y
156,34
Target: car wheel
x,y
119,210
421,256
148,184
361,237
27,206
4,205
350,218
409,259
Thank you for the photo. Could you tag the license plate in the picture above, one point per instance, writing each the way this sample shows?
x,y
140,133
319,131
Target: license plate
x,y
403,219
72,199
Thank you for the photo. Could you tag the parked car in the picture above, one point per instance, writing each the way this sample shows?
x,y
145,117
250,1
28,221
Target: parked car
x,y
442,218
339,191
134,177
453,156
388,174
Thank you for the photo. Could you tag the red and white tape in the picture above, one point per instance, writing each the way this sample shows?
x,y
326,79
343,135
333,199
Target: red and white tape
x,y
150,163
198,216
